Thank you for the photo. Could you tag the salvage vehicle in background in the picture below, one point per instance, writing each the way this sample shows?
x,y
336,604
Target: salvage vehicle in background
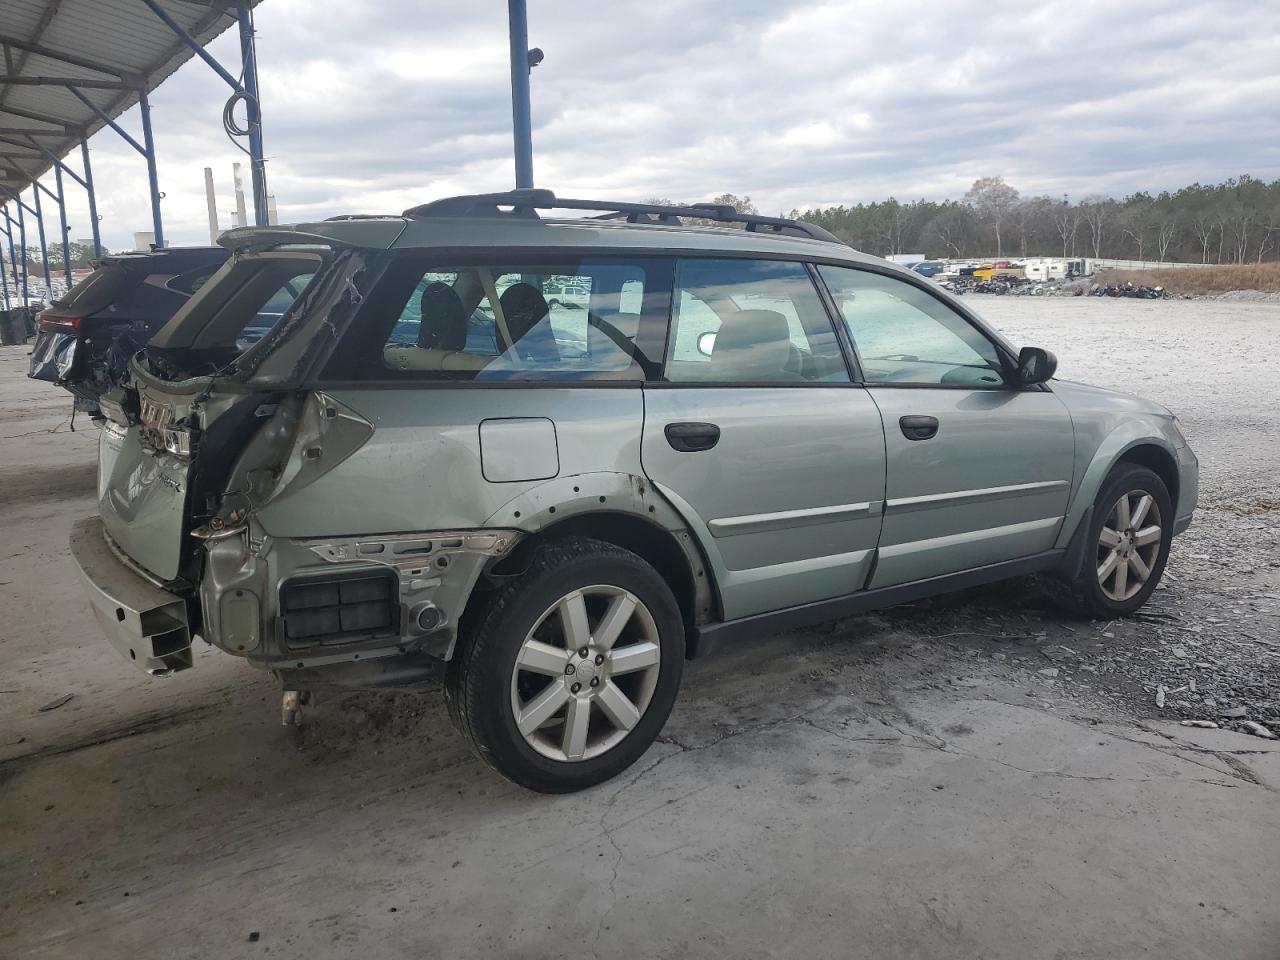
x,y
423,470
85,339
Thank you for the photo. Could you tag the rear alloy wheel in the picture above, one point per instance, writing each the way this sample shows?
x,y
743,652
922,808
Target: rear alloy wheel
x,y
586,673
568,673
1130,535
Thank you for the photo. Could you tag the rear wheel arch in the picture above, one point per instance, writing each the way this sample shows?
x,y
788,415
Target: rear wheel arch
x,y
673,554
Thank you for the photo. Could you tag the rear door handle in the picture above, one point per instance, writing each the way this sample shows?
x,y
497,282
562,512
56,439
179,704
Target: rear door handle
x,y
692,437
918,428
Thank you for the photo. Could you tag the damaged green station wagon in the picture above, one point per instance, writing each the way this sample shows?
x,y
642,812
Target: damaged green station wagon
x,y
547,460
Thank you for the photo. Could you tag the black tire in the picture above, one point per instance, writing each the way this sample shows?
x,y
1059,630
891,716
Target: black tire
x,y
478,681
1088,593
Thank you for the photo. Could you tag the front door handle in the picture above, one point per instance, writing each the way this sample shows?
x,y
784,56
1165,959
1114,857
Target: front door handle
x,y
692,437
918,428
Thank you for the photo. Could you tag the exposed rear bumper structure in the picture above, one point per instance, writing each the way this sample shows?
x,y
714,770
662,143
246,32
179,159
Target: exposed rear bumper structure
x,y
146,624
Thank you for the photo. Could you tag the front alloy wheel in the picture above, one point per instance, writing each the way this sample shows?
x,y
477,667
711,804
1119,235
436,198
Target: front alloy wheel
x,y
1131,534
1129,545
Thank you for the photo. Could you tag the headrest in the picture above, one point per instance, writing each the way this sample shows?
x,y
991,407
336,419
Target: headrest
x,y
753,345
444,318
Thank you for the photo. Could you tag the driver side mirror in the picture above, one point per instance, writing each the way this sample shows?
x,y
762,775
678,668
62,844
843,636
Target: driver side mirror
x,y
1035,365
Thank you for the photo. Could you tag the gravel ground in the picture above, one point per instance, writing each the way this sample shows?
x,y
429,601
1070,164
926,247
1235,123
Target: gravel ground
x,y
1211,635
979,775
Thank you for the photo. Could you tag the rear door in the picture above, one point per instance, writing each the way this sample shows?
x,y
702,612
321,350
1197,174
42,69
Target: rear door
x,y
978,472
759,438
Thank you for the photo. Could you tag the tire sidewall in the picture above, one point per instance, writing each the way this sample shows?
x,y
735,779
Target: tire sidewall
x,y
491,681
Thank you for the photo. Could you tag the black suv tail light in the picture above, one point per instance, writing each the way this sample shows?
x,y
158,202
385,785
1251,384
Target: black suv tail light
x,y
340,608
57,323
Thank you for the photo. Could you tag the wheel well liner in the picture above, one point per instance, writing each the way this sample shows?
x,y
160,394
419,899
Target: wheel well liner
x,y
655,545
1160,461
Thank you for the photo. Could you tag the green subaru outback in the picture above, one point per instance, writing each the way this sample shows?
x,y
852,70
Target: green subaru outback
x,y
548,459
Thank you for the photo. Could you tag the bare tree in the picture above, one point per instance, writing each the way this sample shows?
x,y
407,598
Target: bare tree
x,y
1066,220
1096,212
1168,226
1135,223
950,228
993,201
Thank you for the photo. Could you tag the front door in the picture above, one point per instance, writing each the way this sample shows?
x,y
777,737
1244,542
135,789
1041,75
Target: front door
x,y
977,472
759,438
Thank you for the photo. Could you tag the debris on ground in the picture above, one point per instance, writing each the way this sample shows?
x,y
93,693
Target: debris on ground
x,y
55,704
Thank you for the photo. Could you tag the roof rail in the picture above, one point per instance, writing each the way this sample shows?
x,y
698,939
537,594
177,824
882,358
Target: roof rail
x,y
527,203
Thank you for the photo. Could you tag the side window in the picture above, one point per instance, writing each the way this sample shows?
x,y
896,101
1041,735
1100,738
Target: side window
x,y
904,335
750,321
269,314
575,318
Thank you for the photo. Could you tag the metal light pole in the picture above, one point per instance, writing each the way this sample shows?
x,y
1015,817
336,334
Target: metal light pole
x,y
522,63
257,163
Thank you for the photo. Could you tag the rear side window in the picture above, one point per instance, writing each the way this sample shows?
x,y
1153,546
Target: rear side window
x,y
750,321
567,318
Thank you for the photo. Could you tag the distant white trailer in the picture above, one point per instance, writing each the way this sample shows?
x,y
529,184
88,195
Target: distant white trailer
x,y
906,257
1044,270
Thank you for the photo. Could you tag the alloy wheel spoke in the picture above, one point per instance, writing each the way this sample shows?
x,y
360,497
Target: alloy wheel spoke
x,y
614,621
633,657
538,657
1139,567
1107,566
577,721
1109,537
1122,512
617,707
1147,536
573,617
542,707
1122,579
1140,512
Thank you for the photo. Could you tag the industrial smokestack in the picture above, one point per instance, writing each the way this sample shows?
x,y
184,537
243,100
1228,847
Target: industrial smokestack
x,y
242,217
212,201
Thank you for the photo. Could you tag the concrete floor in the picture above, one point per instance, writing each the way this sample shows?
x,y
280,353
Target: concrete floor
x,y
881,787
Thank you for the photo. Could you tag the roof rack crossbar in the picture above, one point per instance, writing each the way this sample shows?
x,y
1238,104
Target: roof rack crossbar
x,y
527,203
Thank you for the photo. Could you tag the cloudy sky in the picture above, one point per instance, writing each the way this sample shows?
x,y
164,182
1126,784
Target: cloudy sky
x,y
374,105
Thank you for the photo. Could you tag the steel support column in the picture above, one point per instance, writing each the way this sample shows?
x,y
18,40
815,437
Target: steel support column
x,y
149,152
4,279
520,112
62,222
93,199
44,248
257,162
22,245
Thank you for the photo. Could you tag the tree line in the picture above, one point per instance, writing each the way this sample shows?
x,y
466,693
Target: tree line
x,y
1237,221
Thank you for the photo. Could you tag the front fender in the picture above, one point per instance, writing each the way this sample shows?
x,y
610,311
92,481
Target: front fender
x,y
1106,455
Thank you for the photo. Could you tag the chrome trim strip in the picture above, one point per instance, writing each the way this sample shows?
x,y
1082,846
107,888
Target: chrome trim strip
x,y
973,496
759,522
970,536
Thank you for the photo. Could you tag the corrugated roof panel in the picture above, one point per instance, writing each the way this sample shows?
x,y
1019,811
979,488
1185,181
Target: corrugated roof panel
x,y
122,35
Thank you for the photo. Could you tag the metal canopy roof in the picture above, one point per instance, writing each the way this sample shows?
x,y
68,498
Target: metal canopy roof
x,y
111,51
